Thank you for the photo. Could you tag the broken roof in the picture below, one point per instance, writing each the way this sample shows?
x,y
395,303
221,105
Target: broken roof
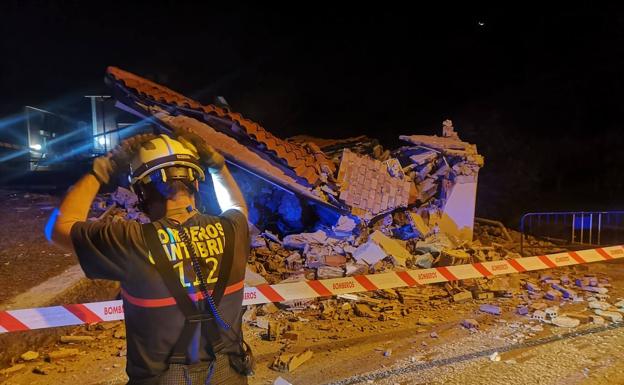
x,y
306,161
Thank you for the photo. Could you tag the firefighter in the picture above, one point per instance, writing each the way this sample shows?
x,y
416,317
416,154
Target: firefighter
x,y
182,274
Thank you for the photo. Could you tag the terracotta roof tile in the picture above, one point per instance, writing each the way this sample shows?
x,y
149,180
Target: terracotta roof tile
x,y
305,163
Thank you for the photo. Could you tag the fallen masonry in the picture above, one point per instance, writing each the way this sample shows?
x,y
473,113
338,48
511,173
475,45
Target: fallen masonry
x,y
289,361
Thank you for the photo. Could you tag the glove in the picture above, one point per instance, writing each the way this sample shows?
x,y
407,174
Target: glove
x,y
209,157
107,166
103,169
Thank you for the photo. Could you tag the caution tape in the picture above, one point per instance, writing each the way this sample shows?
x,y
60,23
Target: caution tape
x,y
95,312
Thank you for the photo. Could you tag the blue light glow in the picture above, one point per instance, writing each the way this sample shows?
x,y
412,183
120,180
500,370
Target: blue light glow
x,y
50,224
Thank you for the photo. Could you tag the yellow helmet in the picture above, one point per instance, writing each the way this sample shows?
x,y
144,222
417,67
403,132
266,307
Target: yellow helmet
x,y
173,160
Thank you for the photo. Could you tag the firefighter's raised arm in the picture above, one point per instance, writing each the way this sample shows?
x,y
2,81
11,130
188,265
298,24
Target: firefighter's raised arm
x,y
227,191
76,204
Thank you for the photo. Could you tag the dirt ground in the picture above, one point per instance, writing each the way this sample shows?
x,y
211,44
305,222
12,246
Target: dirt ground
x,y
405,351
27,260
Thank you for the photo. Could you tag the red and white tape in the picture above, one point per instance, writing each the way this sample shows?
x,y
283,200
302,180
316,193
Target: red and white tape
x,y
77,314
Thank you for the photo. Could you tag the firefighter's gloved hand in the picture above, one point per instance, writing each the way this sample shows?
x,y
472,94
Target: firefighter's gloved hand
x,y
103,169
106,167
209,157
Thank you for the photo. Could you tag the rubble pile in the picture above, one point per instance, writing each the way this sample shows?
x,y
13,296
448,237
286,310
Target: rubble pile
x,y
502,238
526,304
120,204
59,357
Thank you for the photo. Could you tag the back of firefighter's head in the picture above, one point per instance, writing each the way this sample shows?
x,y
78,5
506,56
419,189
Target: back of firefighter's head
x,y
163,168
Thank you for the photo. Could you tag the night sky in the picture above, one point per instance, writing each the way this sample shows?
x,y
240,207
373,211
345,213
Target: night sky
x,y
540,91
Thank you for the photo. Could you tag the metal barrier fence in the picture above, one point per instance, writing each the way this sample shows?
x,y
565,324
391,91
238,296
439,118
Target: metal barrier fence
x,y
594,228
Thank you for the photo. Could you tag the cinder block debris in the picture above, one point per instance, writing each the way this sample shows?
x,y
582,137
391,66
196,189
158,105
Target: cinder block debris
x,y
551,312
491,309
539,315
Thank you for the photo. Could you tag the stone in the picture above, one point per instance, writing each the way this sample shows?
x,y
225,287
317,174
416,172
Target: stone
x,y
43,370
470,323
597,320
289,362
567,293
424,260
393,248
553,295
77,339
369,252
299,241
355,269
583,318
335,260
482,295
124,198
565,322
599,305
387,353
363,310
611,315
61,353
344,224
418,224
462,296
491,309
327,272
455,256
522,310
593,289
29,356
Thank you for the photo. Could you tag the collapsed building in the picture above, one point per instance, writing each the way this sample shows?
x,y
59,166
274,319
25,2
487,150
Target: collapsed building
x,y
324,208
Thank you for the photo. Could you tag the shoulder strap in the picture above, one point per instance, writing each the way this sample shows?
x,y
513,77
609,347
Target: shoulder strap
x,y
226,262
163,265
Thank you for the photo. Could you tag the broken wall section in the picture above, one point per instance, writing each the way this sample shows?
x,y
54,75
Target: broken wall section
x,y
445,172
